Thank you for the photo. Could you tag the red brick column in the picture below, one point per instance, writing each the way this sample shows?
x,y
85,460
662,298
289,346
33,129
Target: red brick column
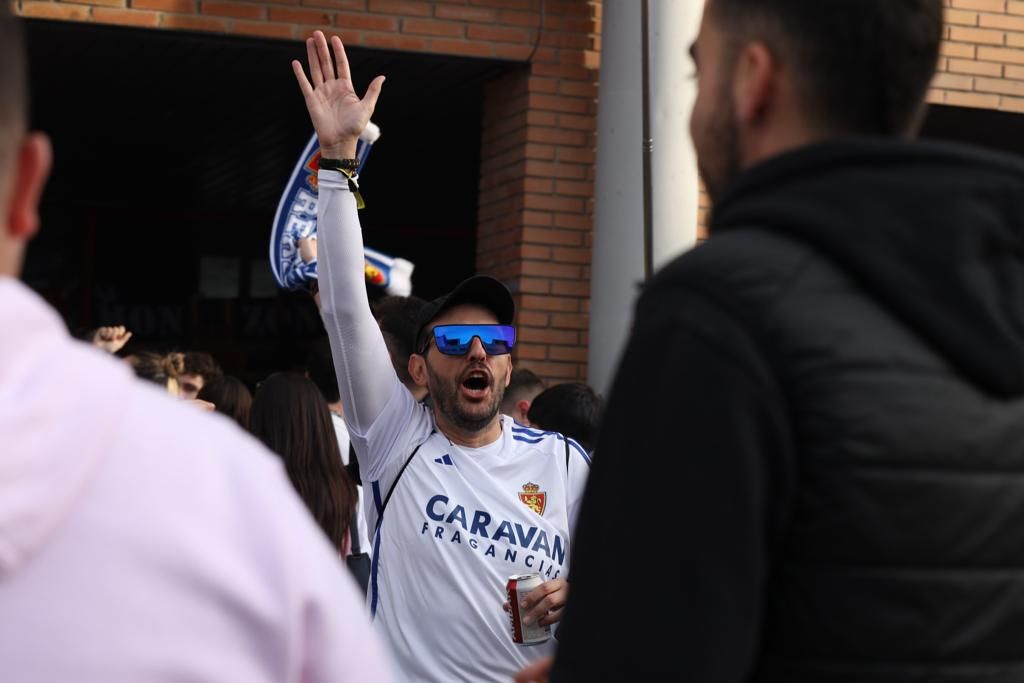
x,y
537,186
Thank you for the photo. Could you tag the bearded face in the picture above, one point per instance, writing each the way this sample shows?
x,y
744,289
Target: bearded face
x,y
466,390
471,399
713,125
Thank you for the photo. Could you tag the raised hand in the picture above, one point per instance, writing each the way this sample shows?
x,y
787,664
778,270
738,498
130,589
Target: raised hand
x,y
337,112
111,339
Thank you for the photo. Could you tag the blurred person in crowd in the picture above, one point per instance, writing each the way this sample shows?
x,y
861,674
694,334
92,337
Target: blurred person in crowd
x,y
140,539
830,390
228,395
572,408
163,369
200,367
320,370
523,387
289,416
453,479
396,316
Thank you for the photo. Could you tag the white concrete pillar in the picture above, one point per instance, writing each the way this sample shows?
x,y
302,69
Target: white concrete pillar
x,y
618,250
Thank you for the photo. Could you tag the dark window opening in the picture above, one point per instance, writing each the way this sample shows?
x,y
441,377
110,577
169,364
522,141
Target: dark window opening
x,y
172,151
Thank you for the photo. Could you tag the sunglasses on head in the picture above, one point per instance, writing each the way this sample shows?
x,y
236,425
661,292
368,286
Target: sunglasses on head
x,y
455,340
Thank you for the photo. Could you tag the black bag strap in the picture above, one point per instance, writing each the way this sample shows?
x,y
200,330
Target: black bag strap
x,y
353,465
384,505
353,531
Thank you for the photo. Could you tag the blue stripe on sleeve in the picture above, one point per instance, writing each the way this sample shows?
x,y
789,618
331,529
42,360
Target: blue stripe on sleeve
x,y
579,449
526,440
520,429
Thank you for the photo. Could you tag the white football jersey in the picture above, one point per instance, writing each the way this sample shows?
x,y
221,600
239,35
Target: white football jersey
x,y
460,522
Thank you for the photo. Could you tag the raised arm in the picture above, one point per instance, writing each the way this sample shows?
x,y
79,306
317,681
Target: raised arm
x,y
365,375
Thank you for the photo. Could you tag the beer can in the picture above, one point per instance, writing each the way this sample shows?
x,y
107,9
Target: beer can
x,y
517,588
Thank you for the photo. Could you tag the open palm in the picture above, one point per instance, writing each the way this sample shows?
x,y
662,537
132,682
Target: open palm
x,y
337,112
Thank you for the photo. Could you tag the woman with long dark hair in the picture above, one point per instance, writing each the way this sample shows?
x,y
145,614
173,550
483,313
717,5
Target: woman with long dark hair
x,y
290,416
229,396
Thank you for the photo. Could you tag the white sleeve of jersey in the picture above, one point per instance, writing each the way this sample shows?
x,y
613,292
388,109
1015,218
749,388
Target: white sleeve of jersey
x,y
402,424
366,378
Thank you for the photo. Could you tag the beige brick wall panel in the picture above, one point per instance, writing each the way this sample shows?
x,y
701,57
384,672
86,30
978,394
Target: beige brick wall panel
x,y
966,66
961,34
998,6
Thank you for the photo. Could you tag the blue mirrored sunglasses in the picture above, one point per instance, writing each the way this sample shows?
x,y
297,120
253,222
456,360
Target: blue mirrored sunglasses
x,y
455,340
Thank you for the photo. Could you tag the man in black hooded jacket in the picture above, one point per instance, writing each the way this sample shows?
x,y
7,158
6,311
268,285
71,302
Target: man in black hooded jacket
x,y
812,465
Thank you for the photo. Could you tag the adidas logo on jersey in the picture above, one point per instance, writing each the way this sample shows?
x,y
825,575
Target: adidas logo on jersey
x,y
444,460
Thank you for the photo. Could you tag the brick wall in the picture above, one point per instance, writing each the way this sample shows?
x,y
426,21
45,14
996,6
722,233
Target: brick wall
x,y
536,194
982,63
536,179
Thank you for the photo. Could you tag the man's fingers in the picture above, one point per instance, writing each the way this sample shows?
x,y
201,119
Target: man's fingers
x,y
536,672
341,59
549,597
300,76
324,53
372,93
552,617
542,592
126,336
315,73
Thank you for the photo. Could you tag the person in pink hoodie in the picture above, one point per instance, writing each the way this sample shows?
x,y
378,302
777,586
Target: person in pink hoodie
x,y
142,539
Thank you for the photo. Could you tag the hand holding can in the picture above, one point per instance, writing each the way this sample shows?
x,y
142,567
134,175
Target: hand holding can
x,y
535,603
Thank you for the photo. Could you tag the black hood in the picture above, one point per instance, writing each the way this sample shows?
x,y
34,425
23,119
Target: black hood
x,y
934,233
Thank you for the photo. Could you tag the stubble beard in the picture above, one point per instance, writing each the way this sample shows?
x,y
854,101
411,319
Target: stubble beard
x,y
719,165
445,395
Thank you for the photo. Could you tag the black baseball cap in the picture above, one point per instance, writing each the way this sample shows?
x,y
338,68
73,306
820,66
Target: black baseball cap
x,y
481,290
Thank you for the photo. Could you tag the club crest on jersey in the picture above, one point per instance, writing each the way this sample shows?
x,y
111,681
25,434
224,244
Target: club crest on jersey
x,y
533,498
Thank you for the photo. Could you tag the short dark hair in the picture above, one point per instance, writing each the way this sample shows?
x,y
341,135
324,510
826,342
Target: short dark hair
x,y
13,83
397,317
523,381
289,416
572,409
229,396
202,364
863,67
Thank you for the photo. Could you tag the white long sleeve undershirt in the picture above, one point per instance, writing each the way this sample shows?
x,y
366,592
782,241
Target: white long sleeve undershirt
x,y
366,378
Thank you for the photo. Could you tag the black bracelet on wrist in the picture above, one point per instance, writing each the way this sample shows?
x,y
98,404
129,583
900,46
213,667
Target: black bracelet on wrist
x,y
350,165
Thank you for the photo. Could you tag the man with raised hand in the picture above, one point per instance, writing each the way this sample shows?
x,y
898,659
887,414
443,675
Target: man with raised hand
x,y
463,497
141,540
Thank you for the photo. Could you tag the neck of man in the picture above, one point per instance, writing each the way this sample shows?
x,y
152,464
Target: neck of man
x,y
336,408
475,439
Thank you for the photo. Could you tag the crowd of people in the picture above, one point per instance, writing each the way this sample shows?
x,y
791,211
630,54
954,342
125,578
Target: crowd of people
x,y
807,468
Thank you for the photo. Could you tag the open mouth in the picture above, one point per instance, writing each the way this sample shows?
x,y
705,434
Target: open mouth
x,y
476,383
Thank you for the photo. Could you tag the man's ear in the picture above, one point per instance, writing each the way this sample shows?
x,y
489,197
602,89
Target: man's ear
x,y
30,170
417,367
522,407
755,83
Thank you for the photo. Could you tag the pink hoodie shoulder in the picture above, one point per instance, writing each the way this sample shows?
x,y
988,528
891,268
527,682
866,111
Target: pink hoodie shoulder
x,y
142,539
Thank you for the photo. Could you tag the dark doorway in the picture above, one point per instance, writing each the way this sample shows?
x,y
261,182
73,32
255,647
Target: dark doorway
x,y
996,130
172,151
